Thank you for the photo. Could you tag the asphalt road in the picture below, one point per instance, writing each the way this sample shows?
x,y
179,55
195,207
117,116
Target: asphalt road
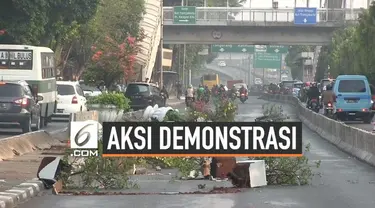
x,y
344,183
9,130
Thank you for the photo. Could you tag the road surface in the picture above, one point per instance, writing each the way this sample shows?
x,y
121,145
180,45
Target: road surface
x,y
344,183
10,130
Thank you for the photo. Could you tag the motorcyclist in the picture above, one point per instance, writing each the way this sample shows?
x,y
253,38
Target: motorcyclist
x,y
166,95
313,93
189,94
178,89
233,92
200,92
215,90
328,96
243,90
207,93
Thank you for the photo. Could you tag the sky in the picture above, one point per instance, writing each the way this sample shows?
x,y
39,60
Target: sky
x,y
286,4
300,3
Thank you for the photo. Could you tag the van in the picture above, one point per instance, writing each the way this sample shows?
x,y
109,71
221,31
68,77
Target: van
x,y
353,98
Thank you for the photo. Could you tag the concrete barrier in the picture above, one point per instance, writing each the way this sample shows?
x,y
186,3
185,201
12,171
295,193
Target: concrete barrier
x,y
355,141
25,143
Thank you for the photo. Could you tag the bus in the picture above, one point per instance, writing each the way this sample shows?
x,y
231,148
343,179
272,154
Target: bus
x,y
210,80
36,66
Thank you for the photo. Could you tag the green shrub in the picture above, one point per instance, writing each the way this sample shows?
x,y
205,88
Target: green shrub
x,y
112,98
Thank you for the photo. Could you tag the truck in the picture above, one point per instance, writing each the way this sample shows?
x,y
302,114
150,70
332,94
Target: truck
x,y
230,83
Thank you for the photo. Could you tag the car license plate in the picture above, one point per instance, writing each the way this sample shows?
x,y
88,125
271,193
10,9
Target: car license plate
x,y
352,114
60,110
351,101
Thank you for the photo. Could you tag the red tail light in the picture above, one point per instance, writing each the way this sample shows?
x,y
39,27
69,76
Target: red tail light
x,y
74,100
313,100
329,105
24,102
242,94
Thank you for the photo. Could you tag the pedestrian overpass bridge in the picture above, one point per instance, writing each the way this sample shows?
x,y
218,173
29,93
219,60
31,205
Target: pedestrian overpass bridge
x,y
235,25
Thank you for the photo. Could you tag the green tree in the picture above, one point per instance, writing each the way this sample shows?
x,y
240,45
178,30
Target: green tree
x,y
352,47
43,22
323,63
116,40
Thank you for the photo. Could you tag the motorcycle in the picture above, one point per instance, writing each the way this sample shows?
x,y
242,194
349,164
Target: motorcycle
x,y
314,105
189,101
328,110
243,97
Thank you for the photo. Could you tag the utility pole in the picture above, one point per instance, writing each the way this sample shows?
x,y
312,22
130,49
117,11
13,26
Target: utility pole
x,y
161,43
307,3
183,65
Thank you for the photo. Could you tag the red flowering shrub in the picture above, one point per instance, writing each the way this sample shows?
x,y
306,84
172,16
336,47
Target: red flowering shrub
x,y
2,31
114,55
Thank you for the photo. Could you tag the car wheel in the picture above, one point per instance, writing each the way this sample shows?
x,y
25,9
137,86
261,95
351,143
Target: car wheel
x,y
37,125
26,126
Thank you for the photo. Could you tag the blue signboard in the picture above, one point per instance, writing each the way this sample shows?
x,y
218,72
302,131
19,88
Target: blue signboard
x,y
305,16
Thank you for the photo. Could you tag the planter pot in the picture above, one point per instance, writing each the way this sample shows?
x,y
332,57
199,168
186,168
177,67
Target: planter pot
x,y
107,113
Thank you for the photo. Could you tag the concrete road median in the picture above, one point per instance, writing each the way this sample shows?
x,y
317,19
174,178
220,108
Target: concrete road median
x,y
352,140
25,143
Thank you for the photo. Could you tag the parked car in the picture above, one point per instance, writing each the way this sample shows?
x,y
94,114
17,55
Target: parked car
x,y
90,91
143,94
222,63
19,104
70,98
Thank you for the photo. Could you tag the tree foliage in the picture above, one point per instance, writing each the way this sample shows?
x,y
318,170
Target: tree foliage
x,y
352,48
71,28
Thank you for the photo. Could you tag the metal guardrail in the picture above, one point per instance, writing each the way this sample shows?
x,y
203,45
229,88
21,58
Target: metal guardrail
x,y
204,15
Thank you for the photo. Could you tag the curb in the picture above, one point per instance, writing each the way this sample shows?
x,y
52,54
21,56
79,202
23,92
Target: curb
x,y
21,193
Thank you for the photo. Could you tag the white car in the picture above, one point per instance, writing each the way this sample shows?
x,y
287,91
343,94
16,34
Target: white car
x,y
70,98
222,63
258,81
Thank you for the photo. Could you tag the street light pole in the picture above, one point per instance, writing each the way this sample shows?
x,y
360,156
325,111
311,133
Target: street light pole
x,y
161,43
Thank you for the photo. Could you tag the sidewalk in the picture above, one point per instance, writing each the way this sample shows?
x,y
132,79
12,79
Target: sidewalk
x,y
23,168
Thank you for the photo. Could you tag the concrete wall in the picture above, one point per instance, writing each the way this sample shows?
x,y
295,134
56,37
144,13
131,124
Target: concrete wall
x,y
354,141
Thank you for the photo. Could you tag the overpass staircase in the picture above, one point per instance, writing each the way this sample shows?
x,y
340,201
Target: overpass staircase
x,y
150,24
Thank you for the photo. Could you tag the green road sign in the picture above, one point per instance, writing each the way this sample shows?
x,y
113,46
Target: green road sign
x,y
267,60
277,49
184,15
232,48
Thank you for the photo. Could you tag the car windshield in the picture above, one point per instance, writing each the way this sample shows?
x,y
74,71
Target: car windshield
x,y
288,84
352,86
10,90
65,90
299,85
89,88
258,79
137,89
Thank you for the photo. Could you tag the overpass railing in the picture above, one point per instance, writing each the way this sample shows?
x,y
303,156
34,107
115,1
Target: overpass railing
x,y
221,15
